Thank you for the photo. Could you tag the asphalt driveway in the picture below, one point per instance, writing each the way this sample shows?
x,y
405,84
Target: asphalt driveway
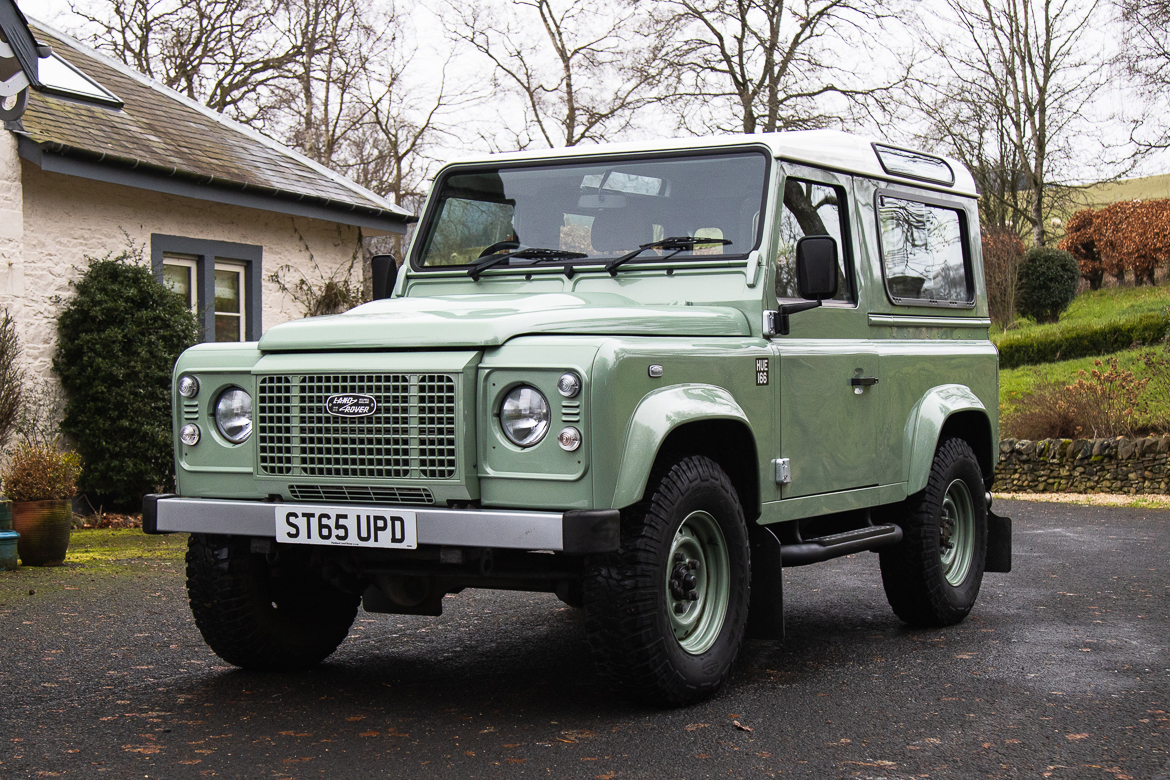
x,y
1061,671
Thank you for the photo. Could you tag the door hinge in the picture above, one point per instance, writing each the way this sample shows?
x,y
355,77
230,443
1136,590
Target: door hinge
x,y
783,471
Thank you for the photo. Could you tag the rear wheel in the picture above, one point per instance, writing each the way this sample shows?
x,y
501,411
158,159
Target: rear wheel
x,y
932,577
260,615
665,614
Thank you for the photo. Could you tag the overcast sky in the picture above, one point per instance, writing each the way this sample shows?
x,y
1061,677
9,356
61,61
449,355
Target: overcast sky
x,y
1115,101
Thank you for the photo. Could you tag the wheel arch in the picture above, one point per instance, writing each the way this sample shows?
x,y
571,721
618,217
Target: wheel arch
x,y
692,419
946,411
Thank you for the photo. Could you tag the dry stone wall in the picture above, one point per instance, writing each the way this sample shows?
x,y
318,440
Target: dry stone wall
x,y
1118,465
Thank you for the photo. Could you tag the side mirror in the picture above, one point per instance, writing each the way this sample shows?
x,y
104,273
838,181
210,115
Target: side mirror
x,y
385,273
816,267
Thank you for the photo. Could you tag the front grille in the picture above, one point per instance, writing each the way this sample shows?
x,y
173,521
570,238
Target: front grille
x,y
363,494
410,435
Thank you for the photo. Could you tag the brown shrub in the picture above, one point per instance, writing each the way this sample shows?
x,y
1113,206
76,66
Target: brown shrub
x,y
36,472
1002,250
1047,413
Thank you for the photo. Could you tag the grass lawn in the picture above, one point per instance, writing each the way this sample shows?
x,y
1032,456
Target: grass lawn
x,y
1111,304
102,553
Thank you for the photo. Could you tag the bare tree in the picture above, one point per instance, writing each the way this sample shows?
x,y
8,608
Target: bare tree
x,y
228,54
579,67
1012,96
1147,58
767,65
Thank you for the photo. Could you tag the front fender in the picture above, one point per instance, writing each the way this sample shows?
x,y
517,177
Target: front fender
x,y
657,415
924,426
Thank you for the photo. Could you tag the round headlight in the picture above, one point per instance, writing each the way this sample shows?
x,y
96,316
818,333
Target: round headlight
x,y
189,435
233,415
188,386
524,416
569,385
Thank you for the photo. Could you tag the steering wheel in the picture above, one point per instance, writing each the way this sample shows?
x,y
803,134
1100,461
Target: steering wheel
x,y
499,246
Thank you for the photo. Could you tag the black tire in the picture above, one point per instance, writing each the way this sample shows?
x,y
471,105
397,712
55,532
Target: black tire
x,y
640,643
932,576
259,616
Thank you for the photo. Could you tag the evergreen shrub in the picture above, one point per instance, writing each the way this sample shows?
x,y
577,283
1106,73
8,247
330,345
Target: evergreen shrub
x,y
117,341
1048,282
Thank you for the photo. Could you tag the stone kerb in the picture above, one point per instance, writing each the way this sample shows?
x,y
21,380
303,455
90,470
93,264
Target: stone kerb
x,y
1118,465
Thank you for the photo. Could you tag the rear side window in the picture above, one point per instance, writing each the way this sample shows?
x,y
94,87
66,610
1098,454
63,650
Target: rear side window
x,y
924,253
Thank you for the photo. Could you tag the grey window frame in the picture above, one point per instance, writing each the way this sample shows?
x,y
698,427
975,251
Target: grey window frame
x,y
206,252
957,206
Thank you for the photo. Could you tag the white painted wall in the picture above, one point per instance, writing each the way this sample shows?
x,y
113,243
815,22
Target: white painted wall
x,y
11,214
57,220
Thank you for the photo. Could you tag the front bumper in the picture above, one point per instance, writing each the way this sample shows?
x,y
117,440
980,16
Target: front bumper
x,y
576,532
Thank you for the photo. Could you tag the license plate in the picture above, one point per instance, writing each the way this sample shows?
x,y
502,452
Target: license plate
x,y
346,526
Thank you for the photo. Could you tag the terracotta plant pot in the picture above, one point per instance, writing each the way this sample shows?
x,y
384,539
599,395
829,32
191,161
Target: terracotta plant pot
x,y
44,528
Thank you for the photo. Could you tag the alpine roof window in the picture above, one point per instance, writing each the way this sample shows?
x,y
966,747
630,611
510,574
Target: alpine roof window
x,y
914,165
61,79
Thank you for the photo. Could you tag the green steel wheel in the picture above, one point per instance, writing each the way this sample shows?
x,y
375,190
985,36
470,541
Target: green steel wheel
x,y
956,533
665,614
932,577
698,582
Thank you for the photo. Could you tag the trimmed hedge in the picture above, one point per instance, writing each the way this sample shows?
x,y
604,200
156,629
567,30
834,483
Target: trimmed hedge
x,y
1083,341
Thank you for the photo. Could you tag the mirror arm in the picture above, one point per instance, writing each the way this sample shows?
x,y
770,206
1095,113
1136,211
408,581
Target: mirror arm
x,y
780,317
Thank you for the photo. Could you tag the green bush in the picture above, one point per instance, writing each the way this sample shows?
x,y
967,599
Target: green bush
x,y
117,342
1084,341
1048,282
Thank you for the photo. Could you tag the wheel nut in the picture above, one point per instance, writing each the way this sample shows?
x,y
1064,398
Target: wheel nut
x,y
679,557
689,581
693,595
693,564
679,608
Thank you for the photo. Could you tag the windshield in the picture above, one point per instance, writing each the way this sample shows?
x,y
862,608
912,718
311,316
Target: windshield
x,y
598,210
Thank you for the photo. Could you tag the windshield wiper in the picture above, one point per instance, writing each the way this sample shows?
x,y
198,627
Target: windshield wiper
x,y
677,243
526,253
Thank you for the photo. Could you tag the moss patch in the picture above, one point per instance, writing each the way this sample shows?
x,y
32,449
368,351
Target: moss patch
x,y
97,555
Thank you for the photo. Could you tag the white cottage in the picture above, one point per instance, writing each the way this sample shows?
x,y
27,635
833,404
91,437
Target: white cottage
x,y
102,154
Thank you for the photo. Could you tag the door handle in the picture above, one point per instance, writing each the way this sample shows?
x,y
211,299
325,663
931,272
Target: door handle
x,y
863,381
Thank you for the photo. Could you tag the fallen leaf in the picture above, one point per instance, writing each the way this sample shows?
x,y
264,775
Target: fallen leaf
x,y
369,734
740,726
696,726
1075,737
356,717
515,760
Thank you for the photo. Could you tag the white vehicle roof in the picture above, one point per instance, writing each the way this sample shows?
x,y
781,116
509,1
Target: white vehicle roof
x,y
834,149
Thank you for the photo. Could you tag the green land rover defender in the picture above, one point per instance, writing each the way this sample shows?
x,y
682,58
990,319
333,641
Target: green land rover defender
x,y
643,377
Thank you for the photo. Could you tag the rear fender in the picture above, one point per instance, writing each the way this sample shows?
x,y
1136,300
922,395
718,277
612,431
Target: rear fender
x,y
938,410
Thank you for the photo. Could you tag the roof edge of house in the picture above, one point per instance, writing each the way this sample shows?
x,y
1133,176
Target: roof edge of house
x,y
243,129
140,173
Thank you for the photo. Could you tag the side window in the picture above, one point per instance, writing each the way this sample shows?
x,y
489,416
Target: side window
x,y
812,209
923,252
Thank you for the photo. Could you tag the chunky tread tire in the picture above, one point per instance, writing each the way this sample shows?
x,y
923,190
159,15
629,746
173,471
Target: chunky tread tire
x,y
625,602
912,570
261,617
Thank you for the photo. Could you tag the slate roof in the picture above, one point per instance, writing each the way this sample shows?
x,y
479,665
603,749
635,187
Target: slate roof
x,y
161,133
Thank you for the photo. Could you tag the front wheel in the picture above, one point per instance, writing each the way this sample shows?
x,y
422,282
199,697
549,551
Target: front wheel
x,y
260,615
932,576
665,614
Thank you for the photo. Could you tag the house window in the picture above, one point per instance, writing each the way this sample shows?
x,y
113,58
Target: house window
x,y
219,280
179,277
229,302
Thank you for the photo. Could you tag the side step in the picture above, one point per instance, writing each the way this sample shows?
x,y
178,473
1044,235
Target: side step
x,y
822,548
